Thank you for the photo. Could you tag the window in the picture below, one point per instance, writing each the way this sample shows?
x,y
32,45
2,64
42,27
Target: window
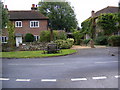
x,y
36,37
3,39
18,24
34,24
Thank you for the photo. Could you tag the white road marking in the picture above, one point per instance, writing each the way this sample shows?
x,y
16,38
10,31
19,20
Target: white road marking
x,y
23,80
117,76
48,80
78,79
102,77
4,79
107,62
42,64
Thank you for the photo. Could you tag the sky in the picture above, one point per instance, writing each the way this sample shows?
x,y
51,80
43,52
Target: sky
x,y
82,8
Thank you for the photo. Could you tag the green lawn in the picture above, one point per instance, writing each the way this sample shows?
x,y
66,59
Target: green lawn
x,y
34,54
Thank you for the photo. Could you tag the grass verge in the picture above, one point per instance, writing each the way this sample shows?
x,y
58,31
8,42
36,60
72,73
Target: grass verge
x,y
34,54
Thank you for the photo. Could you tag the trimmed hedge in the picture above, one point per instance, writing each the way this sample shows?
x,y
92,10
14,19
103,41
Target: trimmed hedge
x,y
29,37
114,40
101,40
64,44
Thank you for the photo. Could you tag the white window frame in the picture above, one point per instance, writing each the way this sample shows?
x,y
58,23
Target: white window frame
x,y
17,24
36,37
34,25
3,39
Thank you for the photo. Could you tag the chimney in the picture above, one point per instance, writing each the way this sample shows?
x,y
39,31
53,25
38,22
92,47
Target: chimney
x,y
6,7
34,7
92,13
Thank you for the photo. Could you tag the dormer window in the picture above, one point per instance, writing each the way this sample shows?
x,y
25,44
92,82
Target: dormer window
x,y
34,24
18,24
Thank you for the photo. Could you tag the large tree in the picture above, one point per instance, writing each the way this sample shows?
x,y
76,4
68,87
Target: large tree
x,y
3,16
61,15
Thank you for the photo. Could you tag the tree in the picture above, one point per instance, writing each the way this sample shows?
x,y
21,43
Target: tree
x,y
11,35
108,23
3,16
61,15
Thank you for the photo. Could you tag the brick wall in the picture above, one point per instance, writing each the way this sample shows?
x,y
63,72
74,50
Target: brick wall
x,y
43,25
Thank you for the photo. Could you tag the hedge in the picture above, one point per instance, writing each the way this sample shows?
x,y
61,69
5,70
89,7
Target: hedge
x,y
114,40
101,40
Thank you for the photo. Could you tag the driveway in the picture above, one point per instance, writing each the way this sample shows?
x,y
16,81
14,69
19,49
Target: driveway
x,y
88,68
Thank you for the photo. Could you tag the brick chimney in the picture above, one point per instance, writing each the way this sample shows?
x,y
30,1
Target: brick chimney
x,y
6,7
92,13
34,7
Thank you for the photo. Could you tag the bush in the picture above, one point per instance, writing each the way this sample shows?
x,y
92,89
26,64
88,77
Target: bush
x,y
71,40
29,37
78,37
102,40
86,41
114,40
45,35
64,44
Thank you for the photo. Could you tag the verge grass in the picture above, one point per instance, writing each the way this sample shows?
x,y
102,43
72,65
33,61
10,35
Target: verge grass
x,y
34,54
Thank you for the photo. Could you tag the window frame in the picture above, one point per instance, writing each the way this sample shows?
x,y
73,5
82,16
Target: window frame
x,y
34,25
36,37
17,23
3,39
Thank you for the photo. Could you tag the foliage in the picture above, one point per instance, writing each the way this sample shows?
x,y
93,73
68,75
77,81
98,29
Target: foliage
x,y
34,54
11,35
45,35
77,37
102,40
60,35
114,40
86,26
108,23
71,40
29,37
64,44
86,41
61,15
3,15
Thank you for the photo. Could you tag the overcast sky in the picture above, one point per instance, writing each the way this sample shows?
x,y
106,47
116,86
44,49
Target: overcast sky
x,y
82,8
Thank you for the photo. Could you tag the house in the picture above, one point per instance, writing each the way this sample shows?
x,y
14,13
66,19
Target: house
x,y
29,21
109,9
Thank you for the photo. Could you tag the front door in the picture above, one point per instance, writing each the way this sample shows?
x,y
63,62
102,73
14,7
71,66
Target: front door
x,y
18,41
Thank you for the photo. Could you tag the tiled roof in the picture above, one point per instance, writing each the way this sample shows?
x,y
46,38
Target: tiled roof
x,y
26,15
109,9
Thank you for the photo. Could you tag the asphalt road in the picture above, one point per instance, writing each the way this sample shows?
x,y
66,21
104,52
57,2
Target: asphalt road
x,y
88,68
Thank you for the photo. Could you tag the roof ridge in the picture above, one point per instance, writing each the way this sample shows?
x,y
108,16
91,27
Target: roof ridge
x,y
106,8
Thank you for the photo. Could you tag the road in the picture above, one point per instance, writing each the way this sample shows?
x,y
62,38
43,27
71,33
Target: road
x,y
88,68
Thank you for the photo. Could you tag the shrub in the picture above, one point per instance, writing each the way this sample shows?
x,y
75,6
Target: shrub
x,y
29,37
78,37
45,35
64,44
71,40
86,41
114,40
102,40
